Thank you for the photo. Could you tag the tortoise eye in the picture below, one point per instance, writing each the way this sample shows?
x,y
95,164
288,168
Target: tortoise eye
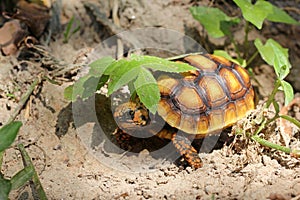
x,y
131,113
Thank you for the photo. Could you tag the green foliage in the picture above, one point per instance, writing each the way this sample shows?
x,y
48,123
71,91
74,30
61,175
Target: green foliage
x,y
19,179
145,84
70,29
262,10
5,186
217,25
8,134
118,73
224,54
94,80
277,57
215,21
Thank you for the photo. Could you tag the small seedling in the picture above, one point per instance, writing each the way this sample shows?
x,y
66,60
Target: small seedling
x,y
72,27
8,134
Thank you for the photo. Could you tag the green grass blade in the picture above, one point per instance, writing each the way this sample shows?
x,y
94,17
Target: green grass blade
x,y
21,177
27,162
8,134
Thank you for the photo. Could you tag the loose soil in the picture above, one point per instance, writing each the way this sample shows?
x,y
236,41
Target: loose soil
x,y
72,147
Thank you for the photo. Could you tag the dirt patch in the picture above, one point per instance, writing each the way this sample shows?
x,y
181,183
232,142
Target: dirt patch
x,y
77,159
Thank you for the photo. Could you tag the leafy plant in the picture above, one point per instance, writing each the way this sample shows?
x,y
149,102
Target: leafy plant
x,y
71,29
134,71
8,134
218,24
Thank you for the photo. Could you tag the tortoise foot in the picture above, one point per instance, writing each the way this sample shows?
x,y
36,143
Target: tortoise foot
x,y
189,153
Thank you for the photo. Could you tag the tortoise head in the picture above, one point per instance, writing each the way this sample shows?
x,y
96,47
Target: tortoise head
x,y
131,115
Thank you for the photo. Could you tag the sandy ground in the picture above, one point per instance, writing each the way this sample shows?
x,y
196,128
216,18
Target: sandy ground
x,y
71,147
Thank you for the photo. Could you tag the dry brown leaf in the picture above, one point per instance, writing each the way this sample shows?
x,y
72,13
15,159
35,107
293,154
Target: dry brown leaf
x,y
35,16
11,34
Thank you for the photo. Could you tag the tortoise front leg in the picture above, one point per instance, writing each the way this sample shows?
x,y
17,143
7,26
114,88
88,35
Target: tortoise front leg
x,y
123,139
185,148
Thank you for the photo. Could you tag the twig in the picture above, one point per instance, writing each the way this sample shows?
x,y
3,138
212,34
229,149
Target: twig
x,y
23,100
120,47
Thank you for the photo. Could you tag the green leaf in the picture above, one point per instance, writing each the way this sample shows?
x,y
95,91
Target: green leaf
x,y
224,54
90,86
22,177
215,21
160,64
279,15
257,13
5,188
77,89
123,72
8,134
115,66
288,92
68,93
274,55
121,77
147,90
99,66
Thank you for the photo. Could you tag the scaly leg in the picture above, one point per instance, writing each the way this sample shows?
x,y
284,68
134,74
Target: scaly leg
x,y
185,148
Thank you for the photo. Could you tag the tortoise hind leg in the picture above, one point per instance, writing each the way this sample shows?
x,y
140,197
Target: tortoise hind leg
x,y
185,148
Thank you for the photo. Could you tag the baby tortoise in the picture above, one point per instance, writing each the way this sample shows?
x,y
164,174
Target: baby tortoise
x,y
198,103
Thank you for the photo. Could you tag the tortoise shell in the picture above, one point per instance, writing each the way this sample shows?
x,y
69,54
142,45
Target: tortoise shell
x,y
211,98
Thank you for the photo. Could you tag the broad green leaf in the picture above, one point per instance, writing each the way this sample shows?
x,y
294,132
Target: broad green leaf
x,y
21,177
5,188
76,90
8,134
279,15
85,87
115,66
90,86
288,92
122,76
161,64
274,55
224,54
147,89
99,66
215,21
257,13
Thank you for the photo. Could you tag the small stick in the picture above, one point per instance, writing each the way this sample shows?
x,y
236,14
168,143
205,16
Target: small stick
x,y
23,100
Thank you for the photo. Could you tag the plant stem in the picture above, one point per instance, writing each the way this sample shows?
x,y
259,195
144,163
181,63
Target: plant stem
x,y
252,58
270,144
1,160
272,95
291,119
23,100
236,49
27,162
246,42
